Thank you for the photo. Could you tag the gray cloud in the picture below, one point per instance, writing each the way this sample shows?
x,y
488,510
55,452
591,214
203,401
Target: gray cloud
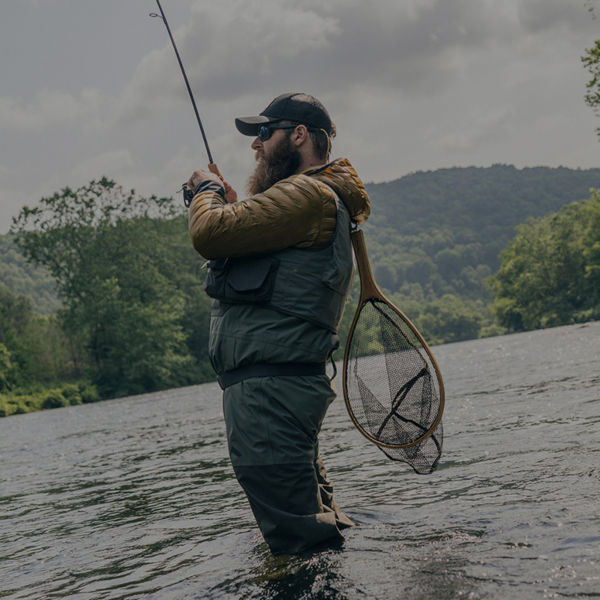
x,y
411,84
552,15
47,109
350,43
407,48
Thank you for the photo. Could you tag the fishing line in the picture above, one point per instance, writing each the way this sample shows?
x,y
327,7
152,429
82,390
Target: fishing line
x,y
187,83
188,194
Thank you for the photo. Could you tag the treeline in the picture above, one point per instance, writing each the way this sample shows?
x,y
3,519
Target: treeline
x,y
434,238
34,357
25,279
134,316
550,272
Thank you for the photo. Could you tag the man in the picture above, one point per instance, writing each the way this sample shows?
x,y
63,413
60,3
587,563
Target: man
x,y
280,272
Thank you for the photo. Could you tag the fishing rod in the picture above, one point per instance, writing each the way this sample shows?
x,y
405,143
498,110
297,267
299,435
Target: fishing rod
x,y
212,167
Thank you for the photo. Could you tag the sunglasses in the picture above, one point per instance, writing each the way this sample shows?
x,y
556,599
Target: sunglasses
x,y
266,131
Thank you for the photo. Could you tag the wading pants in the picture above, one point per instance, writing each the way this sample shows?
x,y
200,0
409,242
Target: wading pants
x,y
272,427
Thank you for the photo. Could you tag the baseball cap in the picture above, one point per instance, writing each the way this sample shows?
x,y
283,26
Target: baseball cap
x,y
295,106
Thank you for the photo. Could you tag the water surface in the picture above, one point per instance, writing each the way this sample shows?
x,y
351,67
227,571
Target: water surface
x,y
135,498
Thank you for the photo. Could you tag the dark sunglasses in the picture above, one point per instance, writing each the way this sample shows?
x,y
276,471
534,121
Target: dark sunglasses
x,y
266,131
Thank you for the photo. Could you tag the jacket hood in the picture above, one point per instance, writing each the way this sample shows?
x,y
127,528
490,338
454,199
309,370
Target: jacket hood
x,y
344,180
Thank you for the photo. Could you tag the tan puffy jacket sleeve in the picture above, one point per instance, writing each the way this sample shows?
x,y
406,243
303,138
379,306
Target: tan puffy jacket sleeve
x,y
297,211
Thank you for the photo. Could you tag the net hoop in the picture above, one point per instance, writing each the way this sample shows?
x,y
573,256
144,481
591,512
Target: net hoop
x,y
369,291
431,358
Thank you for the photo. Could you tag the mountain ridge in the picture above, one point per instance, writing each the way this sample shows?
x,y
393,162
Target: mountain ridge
x,y
430,233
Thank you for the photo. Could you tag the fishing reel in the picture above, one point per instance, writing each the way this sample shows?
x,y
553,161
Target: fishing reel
x,y
188,195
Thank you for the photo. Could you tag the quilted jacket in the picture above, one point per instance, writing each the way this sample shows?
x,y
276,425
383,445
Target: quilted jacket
x,y
297,211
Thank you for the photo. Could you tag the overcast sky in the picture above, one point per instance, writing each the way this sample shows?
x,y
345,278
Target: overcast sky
x,y
92,87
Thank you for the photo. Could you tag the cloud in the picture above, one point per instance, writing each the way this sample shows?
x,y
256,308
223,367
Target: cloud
x,y
111,163
411,84
252,49
48,108
479,131
229,48
538,16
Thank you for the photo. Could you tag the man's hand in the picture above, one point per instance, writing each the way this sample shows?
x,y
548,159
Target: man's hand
x,y
230,193
199,176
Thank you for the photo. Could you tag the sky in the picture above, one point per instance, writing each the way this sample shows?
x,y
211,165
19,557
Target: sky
x,y
92,88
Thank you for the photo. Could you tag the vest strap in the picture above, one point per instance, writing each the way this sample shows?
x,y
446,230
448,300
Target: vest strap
x,y
270,370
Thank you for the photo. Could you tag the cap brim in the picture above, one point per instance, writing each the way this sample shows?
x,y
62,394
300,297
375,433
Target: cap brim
x,y
250,125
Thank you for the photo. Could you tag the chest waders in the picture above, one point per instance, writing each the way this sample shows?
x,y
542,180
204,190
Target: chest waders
x,y
274,324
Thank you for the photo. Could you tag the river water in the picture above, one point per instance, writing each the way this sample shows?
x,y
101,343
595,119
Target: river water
x,y
135,498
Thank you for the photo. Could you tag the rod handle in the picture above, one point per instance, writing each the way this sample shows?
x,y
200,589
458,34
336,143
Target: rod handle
x,y
212,167
230,193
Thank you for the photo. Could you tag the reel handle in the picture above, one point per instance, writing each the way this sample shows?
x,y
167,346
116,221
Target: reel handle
x,y
230,194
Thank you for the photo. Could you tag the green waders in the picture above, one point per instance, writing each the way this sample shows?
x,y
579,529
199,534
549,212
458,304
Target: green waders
x,y
272,430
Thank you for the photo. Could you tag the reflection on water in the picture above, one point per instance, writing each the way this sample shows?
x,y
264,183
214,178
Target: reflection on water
x,y
135,498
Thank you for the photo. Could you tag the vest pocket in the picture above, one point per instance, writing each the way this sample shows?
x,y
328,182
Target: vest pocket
x,y
241,280
334,277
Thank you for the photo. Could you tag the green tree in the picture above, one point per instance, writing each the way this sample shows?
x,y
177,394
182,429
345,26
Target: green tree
x,y
108,251
449,319
548,275
5,368
15,320
25,279
35,345
591,252
591,61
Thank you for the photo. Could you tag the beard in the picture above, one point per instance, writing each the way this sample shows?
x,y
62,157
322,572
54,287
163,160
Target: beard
x,y
282,162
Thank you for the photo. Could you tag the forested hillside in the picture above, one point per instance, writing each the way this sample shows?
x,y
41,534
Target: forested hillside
x,y
134,317
430,233
25,279
444,229
550,271
434,237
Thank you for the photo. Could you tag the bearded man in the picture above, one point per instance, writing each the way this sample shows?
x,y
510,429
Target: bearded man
x,y
280,270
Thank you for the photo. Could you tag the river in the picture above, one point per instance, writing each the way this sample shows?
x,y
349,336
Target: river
x,y
135,498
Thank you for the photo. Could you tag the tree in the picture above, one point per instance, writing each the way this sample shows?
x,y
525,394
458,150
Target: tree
x,y
25,279
449,319
34,347
5,368
114,268
591,61
591,252
15,319
548,274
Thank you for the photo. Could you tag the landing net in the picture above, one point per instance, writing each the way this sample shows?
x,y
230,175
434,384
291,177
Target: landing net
x,y
393,393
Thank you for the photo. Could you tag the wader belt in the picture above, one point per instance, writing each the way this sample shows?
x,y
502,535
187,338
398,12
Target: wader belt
x,y
270,370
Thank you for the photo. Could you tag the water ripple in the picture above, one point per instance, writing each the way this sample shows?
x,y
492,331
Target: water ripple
x,y
135,498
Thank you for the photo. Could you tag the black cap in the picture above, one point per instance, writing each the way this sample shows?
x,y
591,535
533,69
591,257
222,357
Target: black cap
x,y
295,106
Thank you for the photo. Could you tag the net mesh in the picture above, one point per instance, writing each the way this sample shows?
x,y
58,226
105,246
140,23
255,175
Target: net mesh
x,y
392,388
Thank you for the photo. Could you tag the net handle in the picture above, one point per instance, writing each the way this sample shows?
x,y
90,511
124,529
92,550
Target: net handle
x,y
368,285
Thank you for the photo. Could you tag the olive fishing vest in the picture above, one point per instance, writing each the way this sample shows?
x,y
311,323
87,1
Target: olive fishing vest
x,y
308,283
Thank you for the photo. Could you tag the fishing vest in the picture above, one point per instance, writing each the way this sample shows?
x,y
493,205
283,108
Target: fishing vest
x,y
309,283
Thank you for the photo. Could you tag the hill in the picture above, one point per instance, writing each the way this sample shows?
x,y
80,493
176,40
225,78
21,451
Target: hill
x,y
26,280
433,238
440,232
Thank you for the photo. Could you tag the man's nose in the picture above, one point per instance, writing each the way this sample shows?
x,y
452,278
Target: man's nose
x,y
256,144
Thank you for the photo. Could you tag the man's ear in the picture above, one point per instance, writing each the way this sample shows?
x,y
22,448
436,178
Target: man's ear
x,y
300,135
